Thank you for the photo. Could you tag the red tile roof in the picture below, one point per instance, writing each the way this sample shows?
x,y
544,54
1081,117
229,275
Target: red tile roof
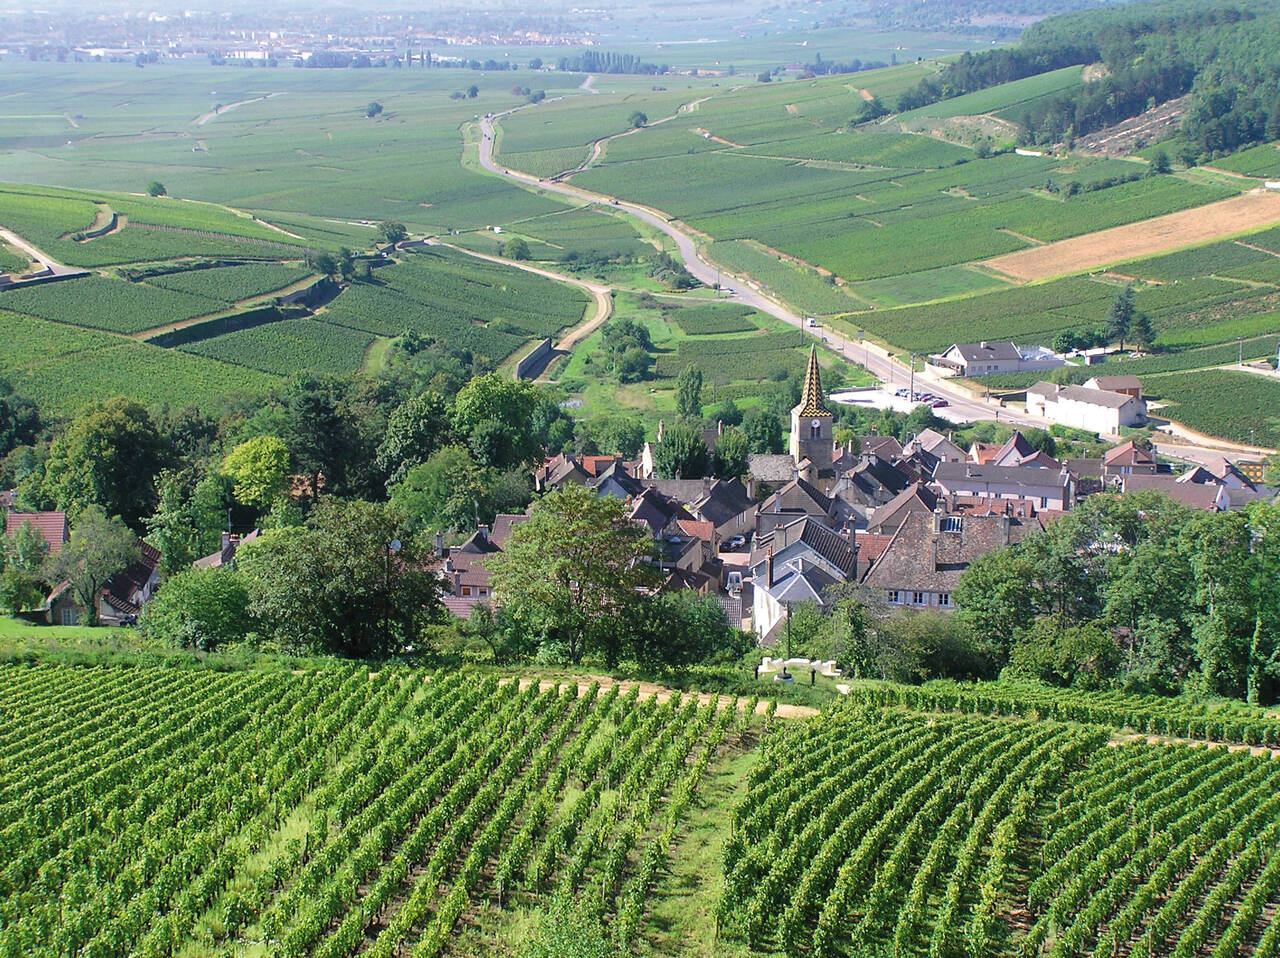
x,y
699,530
52,527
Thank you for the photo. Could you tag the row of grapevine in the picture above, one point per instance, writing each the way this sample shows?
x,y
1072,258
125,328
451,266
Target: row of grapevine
x,y
1232,722
879,831
157,812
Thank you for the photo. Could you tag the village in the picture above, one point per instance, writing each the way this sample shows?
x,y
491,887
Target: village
x,y
904,519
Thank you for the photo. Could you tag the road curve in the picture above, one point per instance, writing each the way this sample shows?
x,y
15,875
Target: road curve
x,y
877,360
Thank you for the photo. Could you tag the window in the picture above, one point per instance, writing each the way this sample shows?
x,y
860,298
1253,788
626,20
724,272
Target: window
x,y
944,599
1044,502
917,598
953,524
70,616
484,591
466,590
895,596
815,429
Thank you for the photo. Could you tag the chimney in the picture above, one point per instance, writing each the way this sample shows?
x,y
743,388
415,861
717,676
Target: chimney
x,y
1006,526
768,568
937,518
661,424
226,540
983,344
484,532
439,544
719,427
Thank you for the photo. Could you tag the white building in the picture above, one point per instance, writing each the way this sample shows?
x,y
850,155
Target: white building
x,y
986,359
1093,410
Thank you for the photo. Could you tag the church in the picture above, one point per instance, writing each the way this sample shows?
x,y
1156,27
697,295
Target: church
x,y
812,446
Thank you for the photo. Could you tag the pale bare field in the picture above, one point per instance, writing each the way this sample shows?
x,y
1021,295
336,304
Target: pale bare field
x,y
1145,238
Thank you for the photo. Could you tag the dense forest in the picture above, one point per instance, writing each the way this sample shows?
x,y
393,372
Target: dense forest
x,y
1226,56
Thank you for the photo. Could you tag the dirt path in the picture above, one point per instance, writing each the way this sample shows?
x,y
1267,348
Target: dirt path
x,y
1213,221
600,294
39,256
204,118
663,693
1255,750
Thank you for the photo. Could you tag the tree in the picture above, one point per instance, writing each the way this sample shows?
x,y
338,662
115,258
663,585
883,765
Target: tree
x,y
573,572
392,231
99,548
323,262
324,441
259,467
678,629
1141,332
1084,656
689,393
338,584
199,609
765,77
495,416
637,120
109,456
682,454
23,557
156,188
517,249
373,109
620,436
448,491
1160,162
1121,315
732,449
174,528
415,429
994,598
473,91
764,431
1065,342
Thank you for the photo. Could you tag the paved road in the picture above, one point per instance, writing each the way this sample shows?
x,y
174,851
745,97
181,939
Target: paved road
x,y
878,361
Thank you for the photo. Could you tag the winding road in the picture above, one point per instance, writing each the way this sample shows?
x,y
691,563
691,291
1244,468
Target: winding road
x,y
878,361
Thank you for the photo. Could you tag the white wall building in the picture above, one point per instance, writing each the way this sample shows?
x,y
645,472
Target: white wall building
x,y
988,358
1093,410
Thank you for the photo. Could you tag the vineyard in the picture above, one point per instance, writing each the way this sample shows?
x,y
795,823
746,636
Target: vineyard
x,y
881,833
160,811
149,811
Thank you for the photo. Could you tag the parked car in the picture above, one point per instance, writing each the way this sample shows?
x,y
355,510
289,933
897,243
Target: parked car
x,y
735,543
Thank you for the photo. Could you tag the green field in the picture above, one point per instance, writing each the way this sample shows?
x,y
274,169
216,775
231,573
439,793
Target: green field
x,y
1260,161
289,347
62,384
339,810
112,304
1236,405
488,308
232,284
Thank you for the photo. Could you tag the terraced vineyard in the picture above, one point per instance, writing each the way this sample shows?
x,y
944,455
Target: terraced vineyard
x,y
148,811
870,833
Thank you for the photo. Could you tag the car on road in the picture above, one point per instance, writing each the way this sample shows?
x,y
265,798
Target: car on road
x,y
939,403
735,543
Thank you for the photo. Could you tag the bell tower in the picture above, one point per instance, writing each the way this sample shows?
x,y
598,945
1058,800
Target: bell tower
x,y
811,421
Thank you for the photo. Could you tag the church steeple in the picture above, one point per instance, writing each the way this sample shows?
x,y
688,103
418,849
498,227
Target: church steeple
x,y
811,403
811,423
